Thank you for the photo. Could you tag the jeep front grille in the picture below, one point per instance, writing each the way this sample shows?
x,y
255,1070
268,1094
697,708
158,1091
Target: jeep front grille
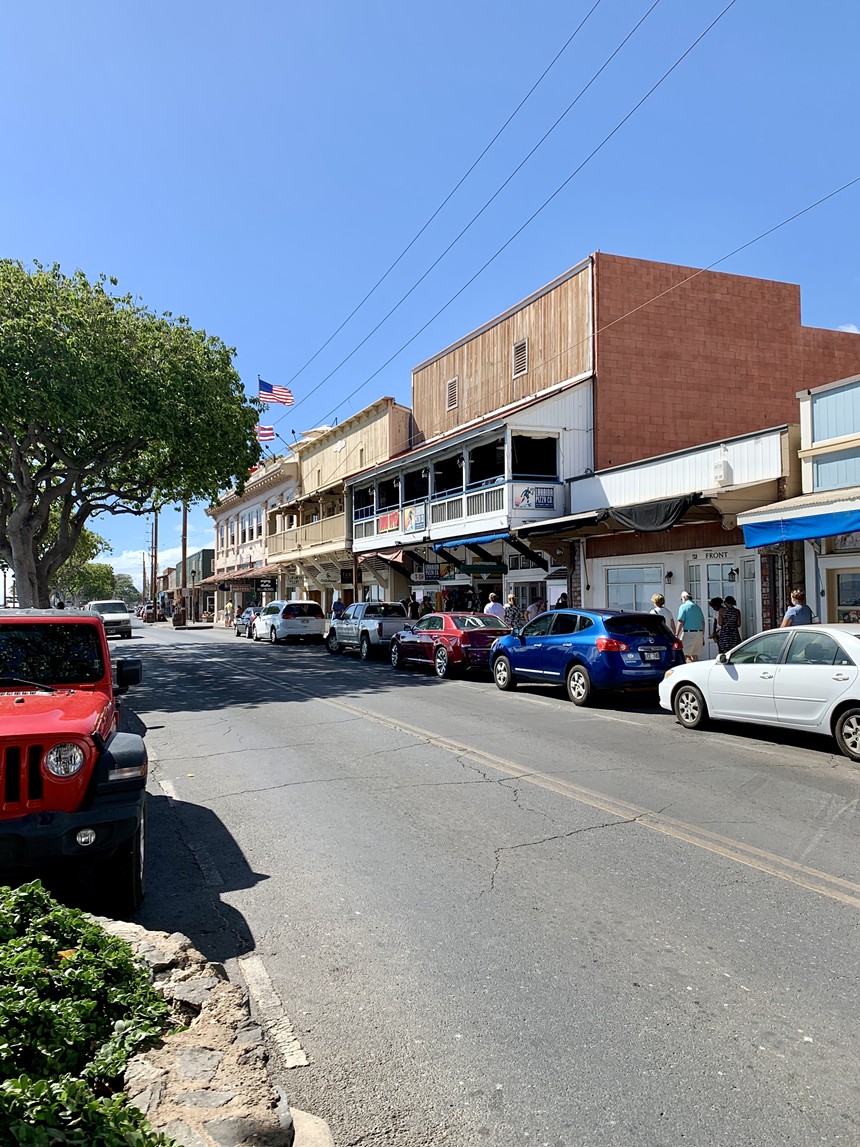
x,y
20,777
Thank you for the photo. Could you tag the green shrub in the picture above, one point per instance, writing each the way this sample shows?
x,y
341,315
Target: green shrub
x,y
74,1006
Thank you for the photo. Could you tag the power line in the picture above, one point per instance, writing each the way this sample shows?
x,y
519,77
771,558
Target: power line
x,y
451,193
488,202
541,208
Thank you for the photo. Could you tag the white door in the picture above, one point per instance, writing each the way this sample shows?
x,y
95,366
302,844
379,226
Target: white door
x,y
815,673
743,686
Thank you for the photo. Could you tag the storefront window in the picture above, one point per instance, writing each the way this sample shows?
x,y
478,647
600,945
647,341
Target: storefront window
x,y
848,596
630,587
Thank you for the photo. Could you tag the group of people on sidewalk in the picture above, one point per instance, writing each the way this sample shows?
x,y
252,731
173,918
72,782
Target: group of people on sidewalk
x,y
725,624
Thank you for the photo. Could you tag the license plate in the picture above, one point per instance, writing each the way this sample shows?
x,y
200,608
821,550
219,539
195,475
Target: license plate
x,y
651,655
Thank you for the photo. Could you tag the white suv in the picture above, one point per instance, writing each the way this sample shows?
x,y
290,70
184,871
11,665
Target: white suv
x,y
115,615
280,620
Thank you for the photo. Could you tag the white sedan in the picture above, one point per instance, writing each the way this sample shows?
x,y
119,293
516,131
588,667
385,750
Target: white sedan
x,y
802,677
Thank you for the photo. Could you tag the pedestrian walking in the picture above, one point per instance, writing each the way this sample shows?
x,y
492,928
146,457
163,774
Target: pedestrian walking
x,y
798,613
513,614
228,615
494,607
662,610
413,610
337,608
562,601
690,627
728,625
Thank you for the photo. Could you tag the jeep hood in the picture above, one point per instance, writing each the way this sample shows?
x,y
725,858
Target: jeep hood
x,y
64,713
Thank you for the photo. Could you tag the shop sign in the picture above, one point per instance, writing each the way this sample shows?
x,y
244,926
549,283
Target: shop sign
x,y
266,584
422,579
291,581
534,497
431,571
345,576
414,518
846,542
385,523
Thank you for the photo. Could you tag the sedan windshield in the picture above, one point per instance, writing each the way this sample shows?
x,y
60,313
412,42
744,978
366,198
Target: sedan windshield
x,y
110,607
51,654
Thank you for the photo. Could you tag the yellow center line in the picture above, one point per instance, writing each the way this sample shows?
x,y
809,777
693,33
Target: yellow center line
x,y
835,887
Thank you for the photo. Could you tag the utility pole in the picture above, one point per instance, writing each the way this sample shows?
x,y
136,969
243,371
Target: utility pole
x,y
155,563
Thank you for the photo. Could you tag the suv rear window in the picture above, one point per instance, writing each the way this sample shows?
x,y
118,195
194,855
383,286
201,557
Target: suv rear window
x,y
51,654
302,609
637,625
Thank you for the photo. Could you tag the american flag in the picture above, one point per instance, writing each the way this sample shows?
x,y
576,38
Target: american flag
x,y
269,393
265,433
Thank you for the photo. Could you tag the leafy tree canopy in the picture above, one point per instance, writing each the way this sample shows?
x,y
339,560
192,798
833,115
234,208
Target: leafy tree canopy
x,y
125,589
105,407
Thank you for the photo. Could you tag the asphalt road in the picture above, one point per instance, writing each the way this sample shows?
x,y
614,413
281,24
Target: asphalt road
x,y
495,918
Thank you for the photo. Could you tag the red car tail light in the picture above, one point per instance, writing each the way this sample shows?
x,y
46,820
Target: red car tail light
x,y
611,645
677,644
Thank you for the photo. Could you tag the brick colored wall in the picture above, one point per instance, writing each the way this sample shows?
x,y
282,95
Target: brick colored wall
x,y
707,536
720,355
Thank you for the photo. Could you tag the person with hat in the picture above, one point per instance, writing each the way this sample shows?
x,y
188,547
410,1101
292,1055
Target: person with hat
x,y
690,627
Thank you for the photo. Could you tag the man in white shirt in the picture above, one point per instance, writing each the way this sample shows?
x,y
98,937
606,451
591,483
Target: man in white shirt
x,y
494,607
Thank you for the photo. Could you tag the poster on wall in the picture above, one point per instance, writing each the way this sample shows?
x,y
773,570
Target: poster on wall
x,y
532,497
414,518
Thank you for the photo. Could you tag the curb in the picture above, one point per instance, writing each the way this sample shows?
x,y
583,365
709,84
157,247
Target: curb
x,y
310,1130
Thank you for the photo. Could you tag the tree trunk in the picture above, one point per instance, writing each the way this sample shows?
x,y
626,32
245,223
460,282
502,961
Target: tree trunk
x,y
31,585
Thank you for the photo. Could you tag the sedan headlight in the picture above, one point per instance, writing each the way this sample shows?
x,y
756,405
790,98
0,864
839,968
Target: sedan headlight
x,y
64,760
668,673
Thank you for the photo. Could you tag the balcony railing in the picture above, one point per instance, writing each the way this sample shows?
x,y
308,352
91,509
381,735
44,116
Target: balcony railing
x,y
326,531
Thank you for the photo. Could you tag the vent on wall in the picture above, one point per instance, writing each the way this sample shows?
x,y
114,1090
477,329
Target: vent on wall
x,y
452,394
521,357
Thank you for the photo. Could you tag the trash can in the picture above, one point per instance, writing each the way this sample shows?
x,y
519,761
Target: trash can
x,y
179,619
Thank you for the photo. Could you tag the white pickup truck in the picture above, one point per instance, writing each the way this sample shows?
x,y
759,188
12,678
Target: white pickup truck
x,y
367,626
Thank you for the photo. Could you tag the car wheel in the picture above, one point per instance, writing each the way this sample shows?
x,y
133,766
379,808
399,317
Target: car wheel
x,y
396,660
690,708
273,637
249,632
578,684
847,733
331,642
255,634
503,675
127,869
365,649
238,634
442,662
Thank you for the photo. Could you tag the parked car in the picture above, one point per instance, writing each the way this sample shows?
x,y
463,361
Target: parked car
x,y
115,615
587,650
281,620
148,611
447,641
803,677
367,626
242,624
73,785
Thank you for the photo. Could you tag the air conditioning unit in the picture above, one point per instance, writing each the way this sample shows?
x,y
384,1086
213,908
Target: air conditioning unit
x,y
723,472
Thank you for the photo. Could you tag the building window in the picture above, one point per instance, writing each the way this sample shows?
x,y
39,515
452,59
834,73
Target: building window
x,y
630,587
233,532
243,529
521,358
259,523
222,536
452,394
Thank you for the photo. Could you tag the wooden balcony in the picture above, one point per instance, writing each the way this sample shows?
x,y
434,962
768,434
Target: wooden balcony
x,y
327,532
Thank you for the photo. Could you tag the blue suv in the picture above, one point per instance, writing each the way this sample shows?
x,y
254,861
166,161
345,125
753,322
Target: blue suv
x,y
587,650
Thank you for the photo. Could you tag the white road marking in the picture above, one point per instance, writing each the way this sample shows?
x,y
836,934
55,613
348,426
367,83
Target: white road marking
x,y
270,1010
167,788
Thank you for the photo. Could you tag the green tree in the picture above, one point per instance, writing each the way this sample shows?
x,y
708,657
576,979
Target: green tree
x,y
105,407
69,578
93,582
125,589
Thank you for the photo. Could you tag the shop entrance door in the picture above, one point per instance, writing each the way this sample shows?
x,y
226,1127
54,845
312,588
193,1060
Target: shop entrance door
x,y
843,595
707,580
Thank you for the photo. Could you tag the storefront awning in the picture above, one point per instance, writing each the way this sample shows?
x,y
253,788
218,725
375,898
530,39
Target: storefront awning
x,y
820,515
480,540
392,555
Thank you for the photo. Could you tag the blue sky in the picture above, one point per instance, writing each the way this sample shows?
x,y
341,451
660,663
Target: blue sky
x,y
258,167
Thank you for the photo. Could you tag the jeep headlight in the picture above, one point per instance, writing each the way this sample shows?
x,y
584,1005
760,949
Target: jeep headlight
x,y
64,760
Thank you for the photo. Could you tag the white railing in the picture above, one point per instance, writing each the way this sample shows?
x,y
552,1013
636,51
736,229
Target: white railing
x,y
485,501
447,511
323,532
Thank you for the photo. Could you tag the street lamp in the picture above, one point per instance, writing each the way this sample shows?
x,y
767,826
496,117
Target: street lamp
x,y
4,569
193,576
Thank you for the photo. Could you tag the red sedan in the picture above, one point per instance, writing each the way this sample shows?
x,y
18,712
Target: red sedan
x,y
447,641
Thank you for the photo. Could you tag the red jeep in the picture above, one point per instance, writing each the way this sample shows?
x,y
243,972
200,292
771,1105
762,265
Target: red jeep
x,y
71,784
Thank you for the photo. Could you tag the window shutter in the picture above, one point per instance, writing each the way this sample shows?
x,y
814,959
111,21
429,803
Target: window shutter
x,y
452,394
521,357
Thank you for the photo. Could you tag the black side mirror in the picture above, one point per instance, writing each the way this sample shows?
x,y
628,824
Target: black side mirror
x,y
723,658
129,671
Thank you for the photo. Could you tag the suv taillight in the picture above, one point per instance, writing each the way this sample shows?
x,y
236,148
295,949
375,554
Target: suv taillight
x,y
677,644
611,645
